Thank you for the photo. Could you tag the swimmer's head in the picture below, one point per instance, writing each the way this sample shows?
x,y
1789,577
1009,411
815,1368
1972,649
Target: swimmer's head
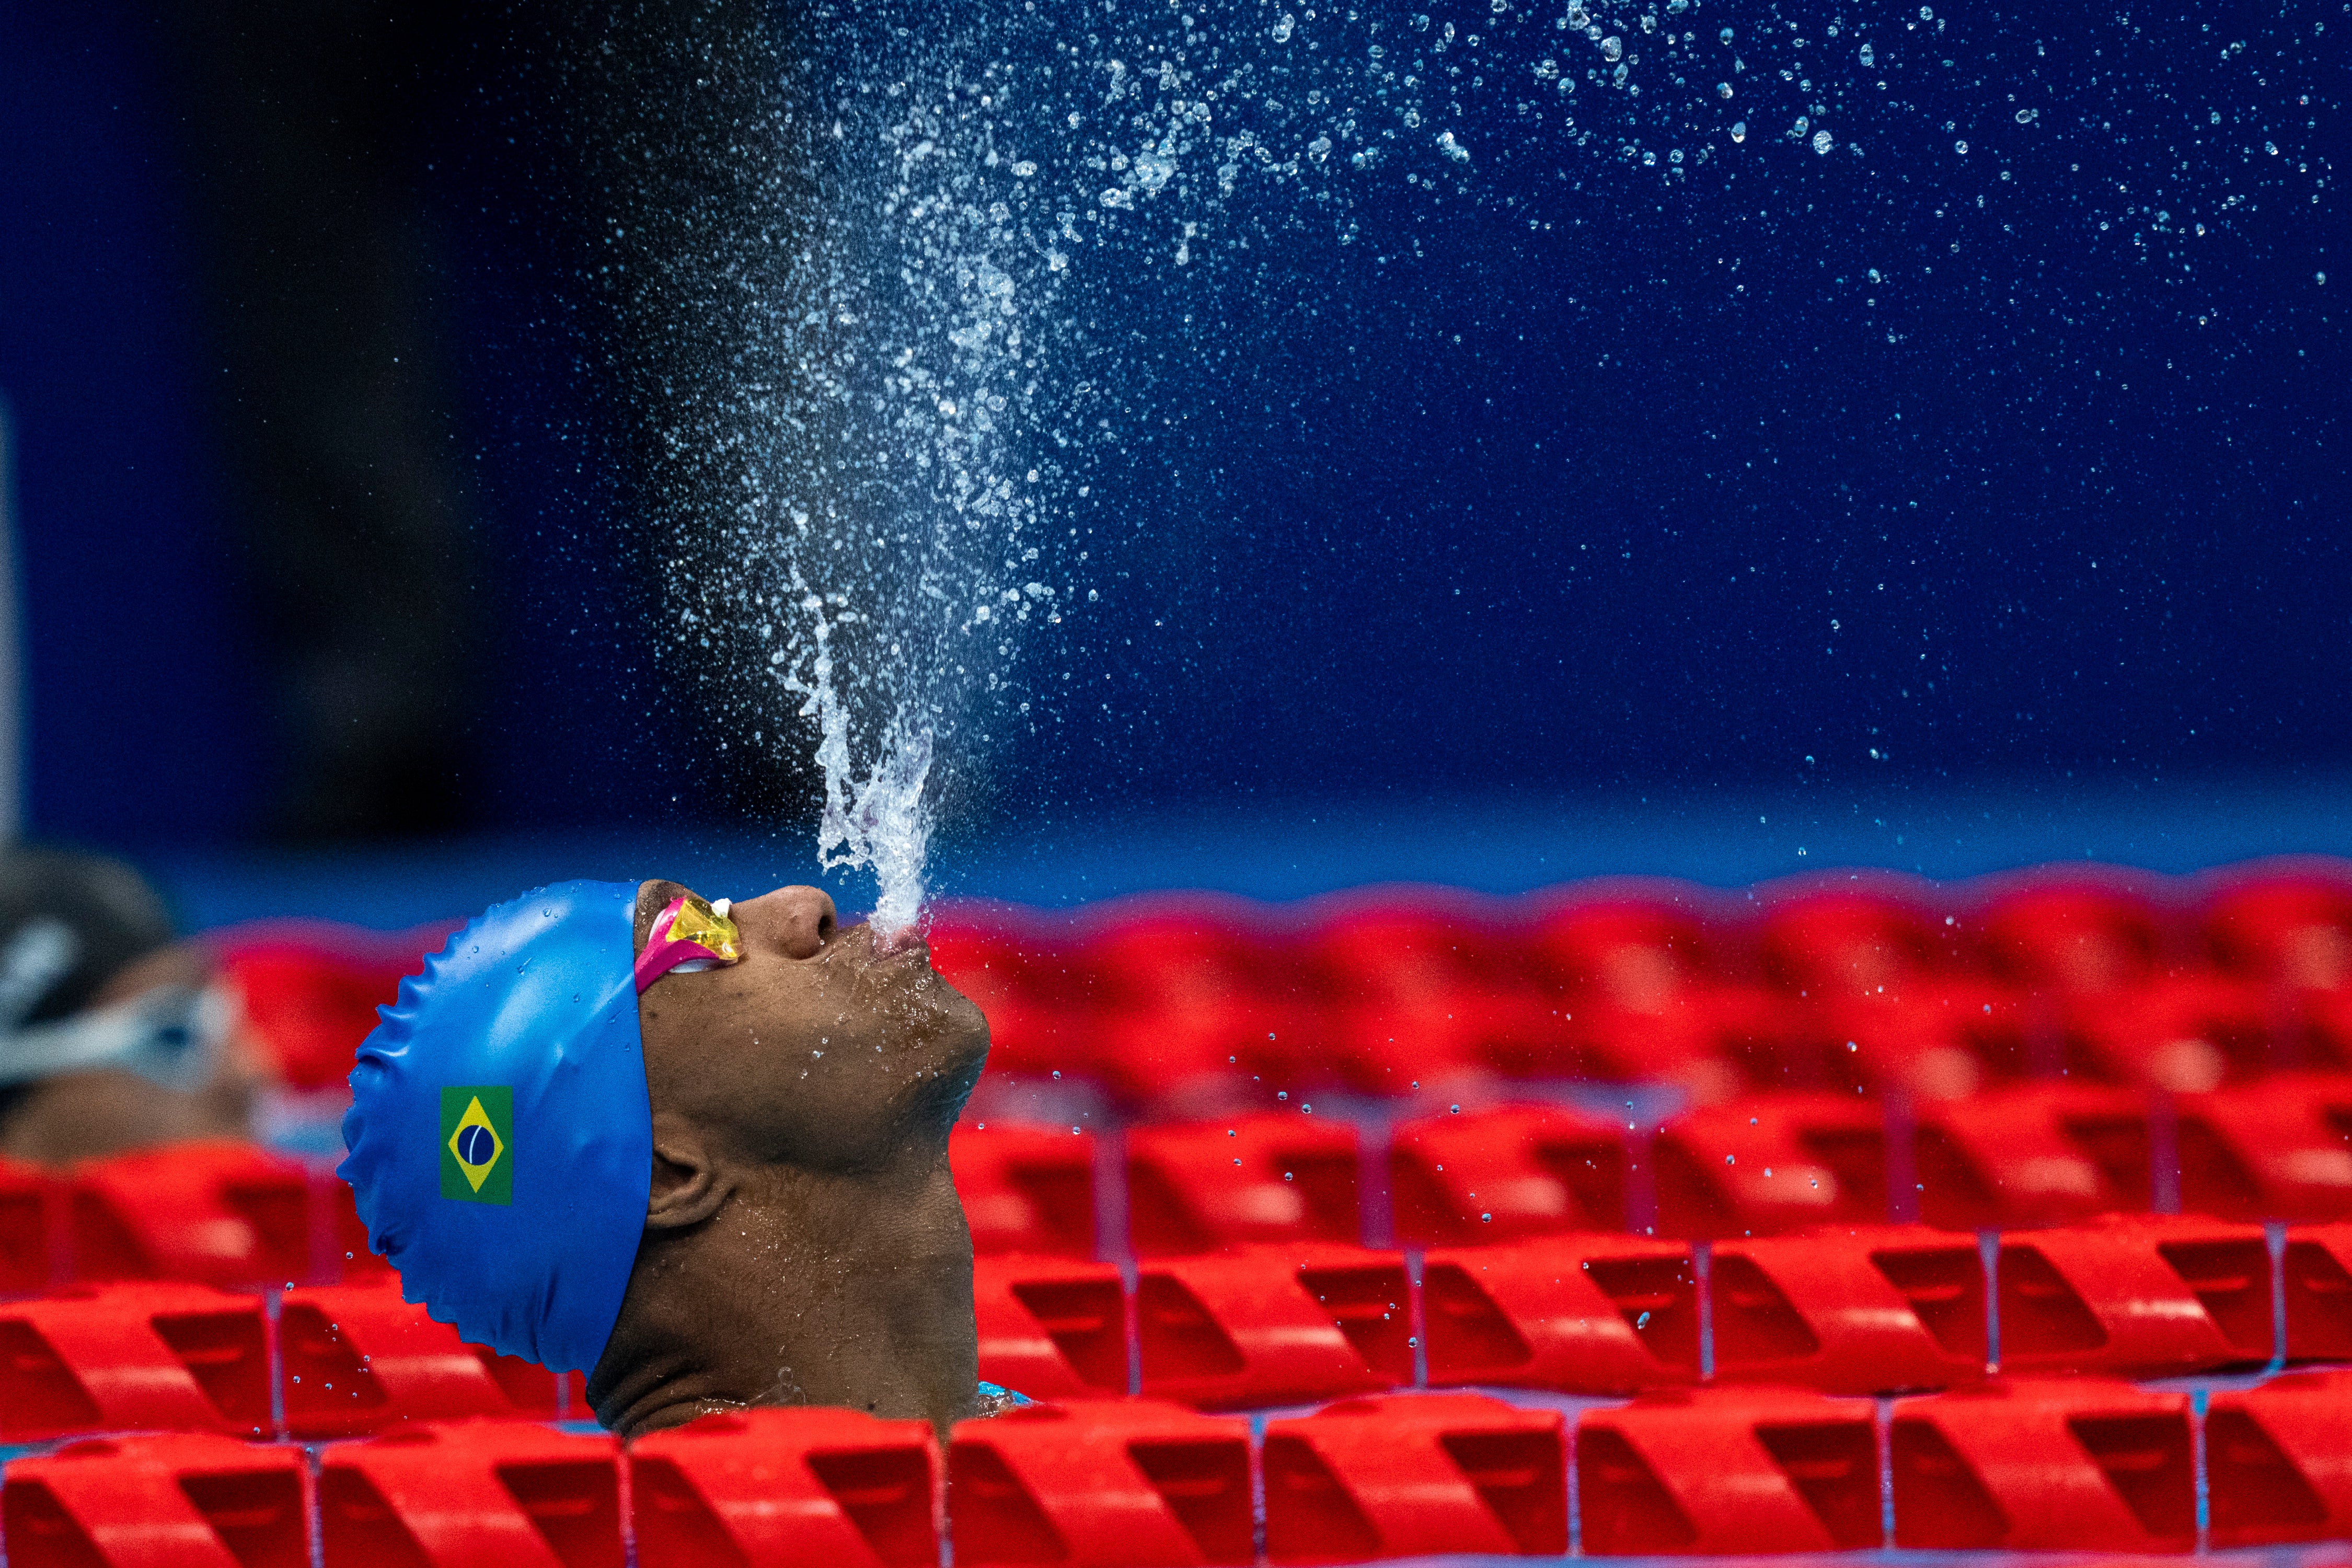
x,y
113,1035
650,1171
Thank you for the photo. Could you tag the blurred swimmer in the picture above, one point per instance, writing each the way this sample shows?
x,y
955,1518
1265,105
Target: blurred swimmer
x,y
112,1036
697,1151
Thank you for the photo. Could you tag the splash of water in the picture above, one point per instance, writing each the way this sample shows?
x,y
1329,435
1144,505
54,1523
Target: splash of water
x,y
927,371
882,823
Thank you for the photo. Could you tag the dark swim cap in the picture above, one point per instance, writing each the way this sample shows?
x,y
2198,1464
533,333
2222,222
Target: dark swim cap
x,y
501,1136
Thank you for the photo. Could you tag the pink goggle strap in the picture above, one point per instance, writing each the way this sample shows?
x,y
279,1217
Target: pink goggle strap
x,y
665,953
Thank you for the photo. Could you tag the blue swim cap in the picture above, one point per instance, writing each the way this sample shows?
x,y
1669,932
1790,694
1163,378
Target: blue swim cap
x,y
501,1136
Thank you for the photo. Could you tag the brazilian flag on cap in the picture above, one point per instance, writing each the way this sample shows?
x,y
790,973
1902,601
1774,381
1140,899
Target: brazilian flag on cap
x,y
478,1143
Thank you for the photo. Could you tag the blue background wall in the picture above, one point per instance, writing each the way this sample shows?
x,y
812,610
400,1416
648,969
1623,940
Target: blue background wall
x,y
144,713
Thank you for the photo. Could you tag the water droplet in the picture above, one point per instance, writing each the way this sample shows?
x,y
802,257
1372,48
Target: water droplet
x,y
1153,168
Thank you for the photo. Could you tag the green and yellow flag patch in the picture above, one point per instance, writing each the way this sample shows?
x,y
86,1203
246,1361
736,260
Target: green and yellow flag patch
x,y
478,1143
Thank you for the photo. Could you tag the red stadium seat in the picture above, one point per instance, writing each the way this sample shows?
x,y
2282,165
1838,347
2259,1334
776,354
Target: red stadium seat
x,y
1415,1476
1198,1185
1862,942
2185,1034
2138,1297
1637,953
2035,1154
157,1357
513,1493
1710,1040
1729,1471
1135,1484
2276,1461
1645,991
1025,1188
1051,1326
2293,928
2073,934
2081,1465
1869,1310
787,1488
335,1220
2316,1031
1195,994
1024,985
2318,1270
1937,1040
29,1225
311,991
190,1501
221,1213
358,1359
1771,1163
1273,1325
1416,993
1582,1314
1490,1175
2269,1150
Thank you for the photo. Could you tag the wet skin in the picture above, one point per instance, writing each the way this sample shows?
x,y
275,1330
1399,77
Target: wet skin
x,y
803,1244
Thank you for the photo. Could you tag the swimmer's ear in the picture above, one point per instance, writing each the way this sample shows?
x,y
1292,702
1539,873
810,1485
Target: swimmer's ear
x,y
688,1186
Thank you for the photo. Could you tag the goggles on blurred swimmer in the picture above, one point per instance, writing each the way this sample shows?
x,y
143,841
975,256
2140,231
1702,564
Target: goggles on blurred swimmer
x,y
688,935
170,1035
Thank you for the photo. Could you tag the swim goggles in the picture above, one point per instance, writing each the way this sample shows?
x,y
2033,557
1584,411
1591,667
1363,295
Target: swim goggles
x,y
688,935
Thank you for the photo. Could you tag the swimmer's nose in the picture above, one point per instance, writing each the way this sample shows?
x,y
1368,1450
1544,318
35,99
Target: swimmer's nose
x,y
796,921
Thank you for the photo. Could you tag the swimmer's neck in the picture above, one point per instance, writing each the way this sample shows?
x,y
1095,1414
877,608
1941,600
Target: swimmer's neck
x,y
850,1289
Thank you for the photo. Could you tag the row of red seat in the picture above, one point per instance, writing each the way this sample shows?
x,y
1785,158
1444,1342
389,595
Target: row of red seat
x,y
2095,973
1861,1311
2186,1033
218,1212
2075,1465
2048,1154
232,1215
1869,1310
2060,928
190,1358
